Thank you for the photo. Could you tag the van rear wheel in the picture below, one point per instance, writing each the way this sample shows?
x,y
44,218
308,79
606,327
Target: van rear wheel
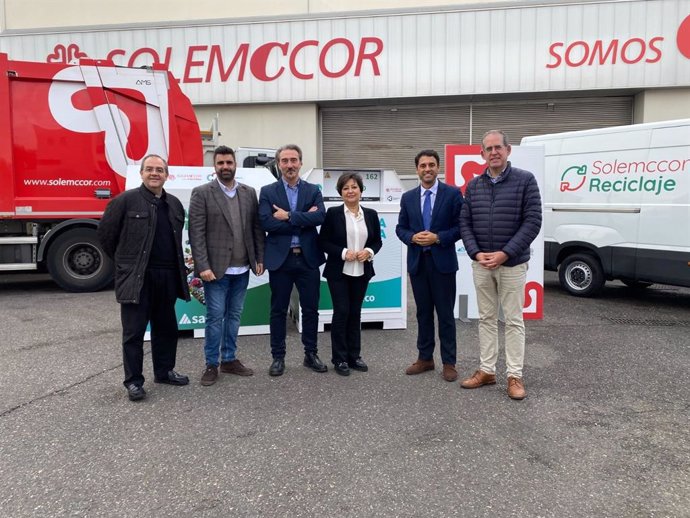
x,y
581,275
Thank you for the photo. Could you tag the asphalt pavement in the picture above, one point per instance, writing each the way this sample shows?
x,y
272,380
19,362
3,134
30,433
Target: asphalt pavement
x,y
604,430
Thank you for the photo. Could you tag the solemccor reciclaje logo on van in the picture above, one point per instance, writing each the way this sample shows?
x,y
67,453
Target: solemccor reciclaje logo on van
x,y
572,174
632,176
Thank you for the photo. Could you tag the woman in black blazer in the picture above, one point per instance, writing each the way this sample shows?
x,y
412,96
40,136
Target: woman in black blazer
x,y
350,235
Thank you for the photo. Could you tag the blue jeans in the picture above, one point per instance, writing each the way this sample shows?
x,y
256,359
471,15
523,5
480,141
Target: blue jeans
x,y
224,303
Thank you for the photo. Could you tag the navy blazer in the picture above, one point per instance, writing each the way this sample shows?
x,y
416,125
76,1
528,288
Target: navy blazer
x,y
445,222
302,222
333,239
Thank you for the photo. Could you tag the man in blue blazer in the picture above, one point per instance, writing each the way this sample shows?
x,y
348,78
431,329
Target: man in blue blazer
x,y
289,211
429,224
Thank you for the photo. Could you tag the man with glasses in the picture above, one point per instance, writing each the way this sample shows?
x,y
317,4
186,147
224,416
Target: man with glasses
x,y
499,220
141,230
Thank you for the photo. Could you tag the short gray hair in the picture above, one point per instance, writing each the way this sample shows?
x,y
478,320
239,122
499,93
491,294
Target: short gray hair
x,y
152,155
496,132
293,147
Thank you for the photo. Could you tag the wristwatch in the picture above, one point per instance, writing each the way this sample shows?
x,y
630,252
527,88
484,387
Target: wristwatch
x,y
438,241
289,214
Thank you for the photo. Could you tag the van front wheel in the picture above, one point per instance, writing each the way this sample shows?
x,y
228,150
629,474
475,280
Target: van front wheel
x,y
581,275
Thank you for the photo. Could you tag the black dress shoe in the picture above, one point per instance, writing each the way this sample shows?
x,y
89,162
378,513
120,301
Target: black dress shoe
x,y
342,368
135,392
312,361
277,367
358,365
173,378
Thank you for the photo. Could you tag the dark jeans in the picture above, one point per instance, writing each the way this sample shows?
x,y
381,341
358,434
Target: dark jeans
x,y
347,293
156,305
434,291
294,272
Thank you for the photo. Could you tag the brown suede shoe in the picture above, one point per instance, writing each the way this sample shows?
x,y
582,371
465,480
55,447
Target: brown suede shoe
x,y
478,379
516,388
420,366
209,376
449,372
235,367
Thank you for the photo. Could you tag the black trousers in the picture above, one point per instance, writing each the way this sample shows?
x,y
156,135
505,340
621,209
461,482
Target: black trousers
x,y
347,293
294,272
156,305
434,291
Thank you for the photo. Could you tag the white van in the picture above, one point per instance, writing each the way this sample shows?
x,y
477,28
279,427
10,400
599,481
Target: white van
x,y
617,205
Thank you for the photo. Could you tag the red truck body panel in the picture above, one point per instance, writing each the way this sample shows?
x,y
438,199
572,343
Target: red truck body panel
x,y
70,130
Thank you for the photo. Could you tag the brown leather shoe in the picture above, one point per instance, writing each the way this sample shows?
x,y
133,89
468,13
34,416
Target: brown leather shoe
x,y
209,376
235,367
478,379
516,388
449,372
420,366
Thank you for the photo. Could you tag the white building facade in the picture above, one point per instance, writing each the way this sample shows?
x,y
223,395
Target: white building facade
x,y
368,84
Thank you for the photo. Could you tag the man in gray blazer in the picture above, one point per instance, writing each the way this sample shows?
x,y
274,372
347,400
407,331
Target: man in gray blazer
x,y
227,241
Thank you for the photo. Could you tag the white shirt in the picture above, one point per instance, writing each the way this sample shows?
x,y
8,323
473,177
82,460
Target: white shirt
x,y
357,234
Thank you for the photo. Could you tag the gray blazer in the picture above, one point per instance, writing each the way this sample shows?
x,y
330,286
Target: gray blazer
x,y
210,224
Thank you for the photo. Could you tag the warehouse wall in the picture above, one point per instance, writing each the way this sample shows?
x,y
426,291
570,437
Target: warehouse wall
x,y
662,104
267,125
32,14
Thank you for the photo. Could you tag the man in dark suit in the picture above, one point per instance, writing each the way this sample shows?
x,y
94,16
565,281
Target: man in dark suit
x,y
227,241
290,210
429,224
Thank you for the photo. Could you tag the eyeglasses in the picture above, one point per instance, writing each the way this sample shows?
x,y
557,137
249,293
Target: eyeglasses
x,y
149,170
497,147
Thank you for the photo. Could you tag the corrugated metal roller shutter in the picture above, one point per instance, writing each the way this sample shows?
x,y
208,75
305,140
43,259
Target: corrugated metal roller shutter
x,y
381,137
550,116
388,137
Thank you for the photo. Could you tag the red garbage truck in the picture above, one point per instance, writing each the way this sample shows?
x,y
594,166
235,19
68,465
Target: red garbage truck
x,y
67,134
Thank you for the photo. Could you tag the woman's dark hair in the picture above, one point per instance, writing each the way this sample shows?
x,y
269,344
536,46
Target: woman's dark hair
x,y
346,177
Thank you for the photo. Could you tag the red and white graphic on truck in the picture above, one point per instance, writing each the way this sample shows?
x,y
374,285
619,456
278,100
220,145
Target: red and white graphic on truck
x,y
124,106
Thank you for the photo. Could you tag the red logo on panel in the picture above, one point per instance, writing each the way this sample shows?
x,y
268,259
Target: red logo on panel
x,y
683,37
533,308
463,162
62,54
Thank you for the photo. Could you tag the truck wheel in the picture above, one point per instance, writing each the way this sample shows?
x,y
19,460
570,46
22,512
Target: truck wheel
x,y
76,261
581,275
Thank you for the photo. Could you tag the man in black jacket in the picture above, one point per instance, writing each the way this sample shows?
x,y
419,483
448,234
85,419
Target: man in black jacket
x,y
499,220
141,230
